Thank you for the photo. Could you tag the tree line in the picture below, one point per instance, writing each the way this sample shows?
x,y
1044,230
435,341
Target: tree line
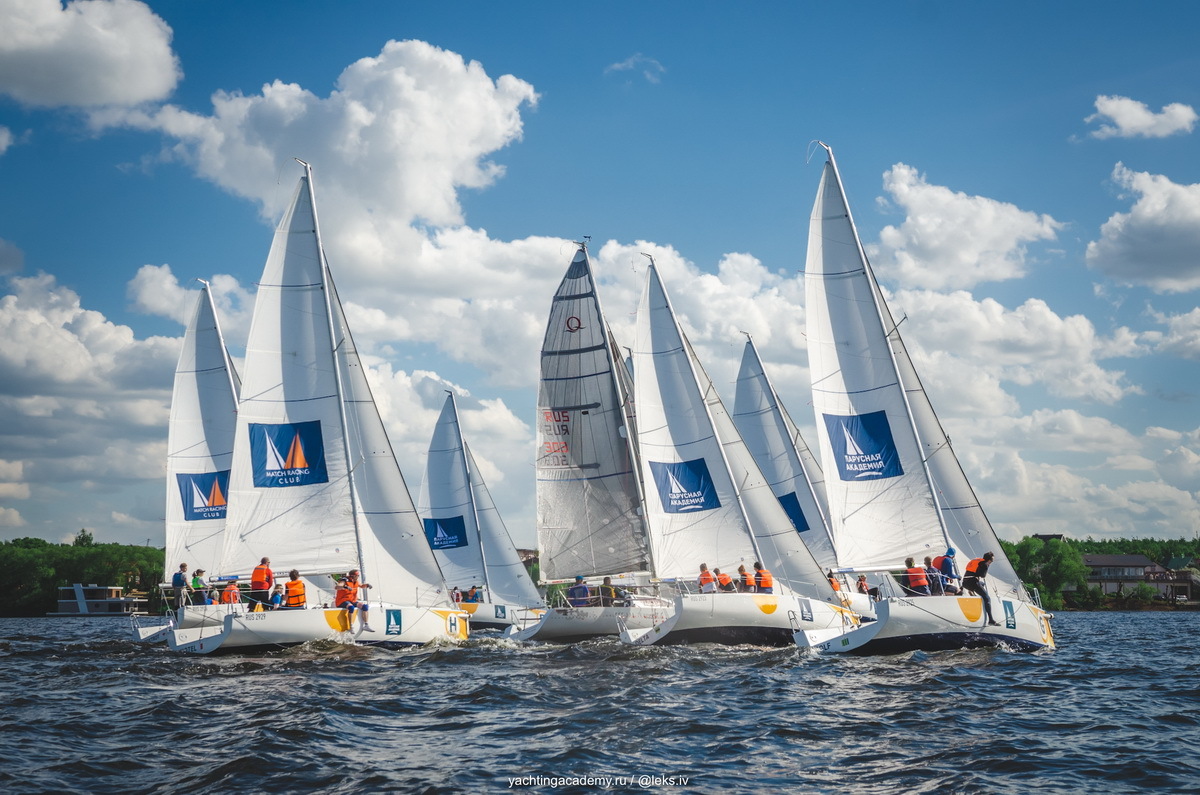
x,y
32,569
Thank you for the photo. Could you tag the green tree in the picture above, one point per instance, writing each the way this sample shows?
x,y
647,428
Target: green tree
x,y
83,539
1047,566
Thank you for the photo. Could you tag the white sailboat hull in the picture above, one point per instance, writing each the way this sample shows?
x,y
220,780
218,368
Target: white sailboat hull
x,y
492,615
939,623
743,618
400,625
571,624
188,617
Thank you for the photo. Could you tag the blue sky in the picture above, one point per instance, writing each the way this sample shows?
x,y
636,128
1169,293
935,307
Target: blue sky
x,y
1025,177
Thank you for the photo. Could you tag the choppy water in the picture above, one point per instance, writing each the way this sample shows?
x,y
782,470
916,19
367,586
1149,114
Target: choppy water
x,y
1114,709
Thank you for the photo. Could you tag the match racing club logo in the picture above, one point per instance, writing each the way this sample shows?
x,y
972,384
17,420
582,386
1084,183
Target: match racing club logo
x,y
863,446
685,487
291,454
447,533
203,494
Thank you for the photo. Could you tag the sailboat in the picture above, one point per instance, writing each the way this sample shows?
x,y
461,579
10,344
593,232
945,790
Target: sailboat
x,y
589,495
895,486
712,504
314,483
200,437
467,534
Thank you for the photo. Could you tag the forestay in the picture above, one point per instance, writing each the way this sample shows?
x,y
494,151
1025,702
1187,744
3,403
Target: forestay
x,y
589,518
200,443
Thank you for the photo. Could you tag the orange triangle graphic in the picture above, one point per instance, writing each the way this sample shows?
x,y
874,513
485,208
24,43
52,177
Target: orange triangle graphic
x,y
295,457
215,498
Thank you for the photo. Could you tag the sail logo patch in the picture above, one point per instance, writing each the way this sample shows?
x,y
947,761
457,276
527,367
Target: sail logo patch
x,y
791,506
203,494
446,533
291,454
863,446
685,487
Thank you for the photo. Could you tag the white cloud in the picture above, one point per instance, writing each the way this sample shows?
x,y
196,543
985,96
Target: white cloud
x,y
1182,337
6,139
89,53
10,517
1026,345
651,69
1132,119
1157,243
950,240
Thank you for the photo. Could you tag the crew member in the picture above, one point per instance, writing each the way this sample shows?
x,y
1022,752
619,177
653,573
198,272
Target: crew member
x,y
763,581
346,598
261,581
294,597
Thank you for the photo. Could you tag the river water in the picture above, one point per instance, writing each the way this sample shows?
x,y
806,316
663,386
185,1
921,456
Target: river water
x,y
1116,708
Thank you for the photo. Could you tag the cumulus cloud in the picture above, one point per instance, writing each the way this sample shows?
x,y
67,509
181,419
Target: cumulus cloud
x,y
1030,344
950,240
1121,117
6,139
155,290
90,53
651,69
1156,243
12,259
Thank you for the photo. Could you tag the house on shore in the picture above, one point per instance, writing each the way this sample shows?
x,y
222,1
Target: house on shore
x,y
1117,573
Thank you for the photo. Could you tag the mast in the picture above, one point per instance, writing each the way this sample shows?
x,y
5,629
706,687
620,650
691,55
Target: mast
x,y
328,289
466,469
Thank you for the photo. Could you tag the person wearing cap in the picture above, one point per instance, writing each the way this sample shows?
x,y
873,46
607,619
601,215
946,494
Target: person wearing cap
x,y
578,594
346,598
945,564
200,589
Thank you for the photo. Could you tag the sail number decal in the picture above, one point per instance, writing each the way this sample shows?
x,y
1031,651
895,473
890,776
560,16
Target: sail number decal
x,y
556,430
863,446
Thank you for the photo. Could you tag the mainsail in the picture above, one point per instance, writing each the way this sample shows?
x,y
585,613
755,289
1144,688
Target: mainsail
x,y
462,524
710,502
903,492
589,515
200,442
334,499
783,456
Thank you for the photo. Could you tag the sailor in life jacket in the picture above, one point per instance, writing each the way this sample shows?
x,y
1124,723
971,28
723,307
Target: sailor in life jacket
x,y
294,597
745,580
914,580
262,579
707,582
231,595
724,581
346,598
763,581
833,581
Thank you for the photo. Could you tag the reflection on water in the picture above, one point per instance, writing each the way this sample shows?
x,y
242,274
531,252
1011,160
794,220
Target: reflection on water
x,y
1113,709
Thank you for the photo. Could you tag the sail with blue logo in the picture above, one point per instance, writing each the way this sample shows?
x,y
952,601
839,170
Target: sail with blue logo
x,y
881,500
462,524
315,484
200,442
785,458
710,503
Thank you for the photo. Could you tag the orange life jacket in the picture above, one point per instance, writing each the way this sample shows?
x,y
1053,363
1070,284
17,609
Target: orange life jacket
x,y
916,577
346,592
937,562
837,586
231,595
706,578
724,579
764,578
973,565
747,580
261,579
293,593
